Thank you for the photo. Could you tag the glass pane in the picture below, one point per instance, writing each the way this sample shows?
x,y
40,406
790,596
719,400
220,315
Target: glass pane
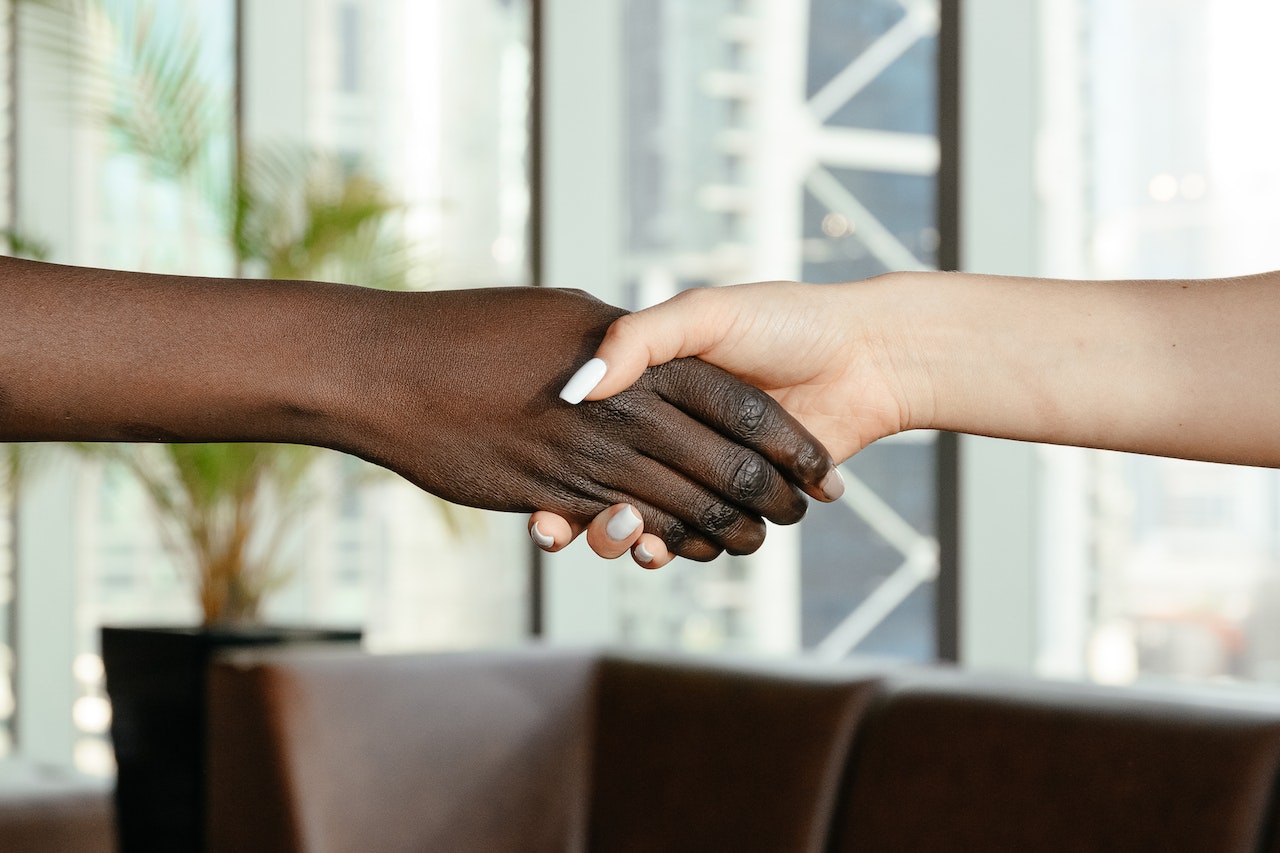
x,y
425,104
869,562
430,101
885,35
698,150
1180,561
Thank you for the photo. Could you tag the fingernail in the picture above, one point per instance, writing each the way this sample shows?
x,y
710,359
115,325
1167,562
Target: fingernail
x,y
642,553
832,485
541,539
623,524
581,383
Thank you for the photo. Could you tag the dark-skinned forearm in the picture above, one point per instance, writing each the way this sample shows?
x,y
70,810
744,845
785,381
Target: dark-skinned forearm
x,y
454,390
103,355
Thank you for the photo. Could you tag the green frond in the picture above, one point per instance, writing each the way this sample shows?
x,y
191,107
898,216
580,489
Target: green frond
x,y
305,215
141,81
288,213
166,111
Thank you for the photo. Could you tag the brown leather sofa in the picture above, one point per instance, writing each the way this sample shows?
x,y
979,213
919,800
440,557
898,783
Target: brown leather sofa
x,y
546,750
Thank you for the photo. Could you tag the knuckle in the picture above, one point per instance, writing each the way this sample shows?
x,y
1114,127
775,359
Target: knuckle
x,y
687,543
751,410
676,536
751,478
718,519
624,328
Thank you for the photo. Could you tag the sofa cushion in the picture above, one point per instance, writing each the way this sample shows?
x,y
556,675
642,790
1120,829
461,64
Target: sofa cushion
x,y
693,757
330,752
953,763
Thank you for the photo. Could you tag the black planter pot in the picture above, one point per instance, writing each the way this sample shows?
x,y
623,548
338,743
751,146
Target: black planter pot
x,y
156,680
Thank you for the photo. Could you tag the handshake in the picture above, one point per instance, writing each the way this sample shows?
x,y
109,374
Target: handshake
x,y
671,431
723,456
458,391
687,460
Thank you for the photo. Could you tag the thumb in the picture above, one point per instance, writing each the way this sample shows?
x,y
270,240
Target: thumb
x,y
676,328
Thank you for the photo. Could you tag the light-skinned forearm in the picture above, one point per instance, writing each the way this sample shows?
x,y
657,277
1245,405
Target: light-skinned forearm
x,y
1177,368
1174,368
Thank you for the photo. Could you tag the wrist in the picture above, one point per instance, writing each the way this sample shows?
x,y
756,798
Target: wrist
x,y
353,350
902,319
986,353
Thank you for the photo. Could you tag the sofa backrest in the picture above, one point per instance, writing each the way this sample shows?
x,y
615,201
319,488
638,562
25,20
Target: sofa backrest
x,y
956,763
696,756
547,750
329,752
323,752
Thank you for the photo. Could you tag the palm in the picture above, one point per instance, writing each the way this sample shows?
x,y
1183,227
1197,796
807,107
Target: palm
x,y
822,370
845,409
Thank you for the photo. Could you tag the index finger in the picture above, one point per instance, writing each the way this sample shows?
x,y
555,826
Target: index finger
x,y
749,417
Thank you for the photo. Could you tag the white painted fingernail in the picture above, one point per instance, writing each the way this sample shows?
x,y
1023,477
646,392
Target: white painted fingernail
x,y
623,524
832,485
581,383
541,539
642,553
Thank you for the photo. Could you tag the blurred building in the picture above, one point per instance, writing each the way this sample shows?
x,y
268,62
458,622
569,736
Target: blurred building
x,y
1178,176
789,140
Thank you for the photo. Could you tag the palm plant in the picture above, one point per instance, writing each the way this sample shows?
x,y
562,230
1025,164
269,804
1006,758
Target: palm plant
x,y
228,508
285,213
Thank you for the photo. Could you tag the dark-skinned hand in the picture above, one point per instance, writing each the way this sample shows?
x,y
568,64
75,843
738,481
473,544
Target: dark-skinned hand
x,y
465,405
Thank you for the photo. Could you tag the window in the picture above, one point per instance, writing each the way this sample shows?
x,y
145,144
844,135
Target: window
x,y
760,140
1155,157
429,101
349,53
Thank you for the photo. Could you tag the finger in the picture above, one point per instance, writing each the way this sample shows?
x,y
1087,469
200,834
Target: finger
x,y
682,507
551,532
594,503
689,324
650,552
675,328
750,417
736,473
612,533
677,538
